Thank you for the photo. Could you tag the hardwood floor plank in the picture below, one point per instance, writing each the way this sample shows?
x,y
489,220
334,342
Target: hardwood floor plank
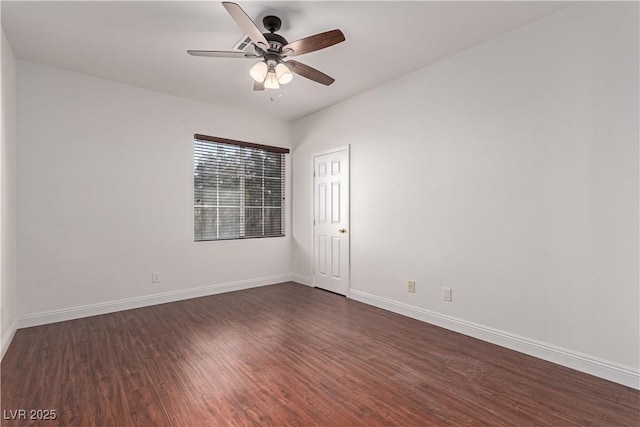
x,y
290,355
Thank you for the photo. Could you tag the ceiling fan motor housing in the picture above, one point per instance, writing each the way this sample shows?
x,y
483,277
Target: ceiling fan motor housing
x,y
276,42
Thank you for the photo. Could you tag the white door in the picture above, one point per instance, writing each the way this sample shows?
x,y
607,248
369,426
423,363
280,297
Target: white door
x,y
331,221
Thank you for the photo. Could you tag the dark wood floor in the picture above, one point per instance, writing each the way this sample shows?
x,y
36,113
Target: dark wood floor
x,y
289,354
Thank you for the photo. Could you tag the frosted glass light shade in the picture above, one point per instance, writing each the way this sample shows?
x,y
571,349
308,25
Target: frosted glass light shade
x,y
259,72
271,82
283,74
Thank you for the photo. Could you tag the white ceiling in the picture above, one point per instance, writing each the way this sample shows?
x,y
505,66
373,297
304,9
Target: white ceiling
x,y
144,43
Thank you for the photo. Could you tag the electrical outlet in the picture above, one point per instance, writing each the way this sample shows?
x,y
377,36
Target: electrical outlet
x,y
155,277
411,286
447,294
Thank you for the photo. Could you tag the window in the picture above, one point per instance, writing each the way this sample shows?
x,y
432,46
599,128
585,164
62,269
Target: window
x,y
238,189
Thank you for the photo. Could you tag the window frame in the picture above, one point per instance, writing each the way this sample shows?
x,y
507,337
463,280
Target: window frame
x,y
243,189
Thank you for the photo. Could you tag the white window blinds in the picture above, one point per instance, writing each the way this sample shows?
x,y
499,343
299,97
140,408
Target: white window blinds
x,y
238,189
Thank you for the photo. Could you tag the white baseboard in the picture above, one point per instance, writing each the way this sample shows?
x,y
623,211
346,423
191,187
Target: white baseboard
x,y
588,364
8,337
88,310
303,280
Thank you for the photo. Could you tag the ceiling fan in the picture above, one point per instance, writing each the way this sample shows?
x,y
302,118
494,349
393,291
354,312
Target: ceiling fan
x,y
272,49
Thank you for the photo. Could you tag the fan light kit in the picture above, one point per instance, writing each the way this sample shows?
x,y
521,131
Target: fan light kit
x,y
272,70
271,74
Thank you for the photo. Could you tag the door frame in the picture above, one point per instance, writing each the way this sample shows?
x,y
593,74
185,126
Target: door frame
x,y
347,148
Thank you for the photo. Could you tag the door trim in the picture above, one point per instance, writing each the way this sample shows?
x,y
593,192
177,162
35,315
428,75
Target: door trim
x,y
313,213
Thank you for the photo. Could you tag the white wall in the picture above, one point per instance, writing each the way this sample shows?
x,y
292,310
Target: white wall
x,y
8,199
105,196
509,173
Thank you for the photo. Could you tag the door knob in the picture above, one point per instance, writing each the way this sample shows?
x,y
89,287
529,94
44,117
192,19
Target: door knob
x,y
343,230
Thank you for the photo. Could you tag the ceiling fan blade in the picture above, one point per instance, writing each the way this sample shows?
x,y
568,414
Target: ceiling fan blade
x,y
246,24
258,85
313,43
309,72
221,54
